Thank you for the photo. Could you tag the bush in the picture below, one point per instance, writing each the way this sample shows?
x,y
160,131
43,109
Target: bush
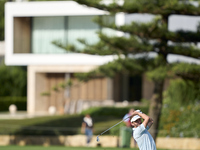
x,y
2,4
180,110
180,122
183,92
5,102
13,81
118,112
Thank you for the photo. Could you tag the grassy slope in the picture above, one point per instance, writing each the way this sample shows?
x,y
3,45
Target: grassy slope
x,y
54,125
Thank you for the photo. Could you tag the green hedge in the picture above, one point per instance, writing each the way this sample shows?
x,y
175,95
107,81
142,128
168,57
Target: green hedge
x,y
112,111
20,102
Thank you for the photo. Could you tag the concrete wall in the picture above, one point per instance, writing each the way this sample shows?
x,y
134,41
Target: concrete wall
x,y
105,141
179,143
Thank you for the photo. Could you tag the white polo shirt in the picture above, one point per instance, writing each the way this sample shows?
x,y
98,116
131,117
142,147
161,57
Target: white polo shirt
x,y
143,138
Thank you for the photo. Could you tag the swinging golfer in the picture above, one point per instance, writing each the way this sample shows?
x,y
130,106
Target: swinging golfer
x,y
140,130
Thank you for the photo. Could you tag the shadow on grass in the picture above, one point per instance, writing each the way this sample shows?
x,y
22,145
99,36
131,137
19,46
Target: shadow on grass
x,y
103,117
54,126
63,125
47,129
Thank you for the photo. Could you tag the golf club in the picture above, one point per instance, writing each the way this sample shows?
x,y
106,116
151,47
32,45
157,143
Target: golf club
x,y
111,128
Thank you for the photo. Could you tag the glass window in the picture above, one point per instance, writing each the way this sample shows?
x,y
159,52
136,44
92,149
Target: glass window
x,y
82,27
64,29
44,31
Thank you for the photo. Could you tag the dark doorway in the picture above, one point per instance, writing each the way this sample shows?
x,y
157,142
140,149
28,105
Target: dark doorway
x,y
135,88
127,88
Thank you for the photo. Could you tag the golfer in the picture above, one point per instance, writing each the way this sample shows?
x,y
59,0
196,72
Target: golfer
x,y
140,130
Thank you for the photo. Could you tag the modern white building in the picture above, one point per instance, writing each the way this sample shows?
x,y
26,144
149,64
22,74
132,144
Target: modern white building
x,y
30,29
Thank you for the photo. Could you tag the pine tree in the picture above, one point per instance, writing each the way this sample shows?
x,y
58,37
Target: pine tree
x,y
143,38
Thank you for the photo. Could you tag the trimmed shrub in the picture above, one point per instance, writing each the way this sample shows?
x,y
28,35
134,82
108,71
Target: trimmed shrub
x,y
13,81
20,102
118,112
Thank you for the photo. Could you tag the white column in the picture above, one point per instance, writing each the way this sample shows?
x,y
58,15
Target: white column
x,y
31,91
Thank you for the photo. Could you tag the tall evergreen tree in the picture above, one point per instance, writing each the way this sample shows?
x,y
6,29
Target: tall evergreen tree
x,y
143,38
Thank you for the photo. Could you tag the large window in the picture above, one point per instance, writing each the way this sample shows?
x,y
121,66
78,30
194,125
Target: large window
x,y
65,29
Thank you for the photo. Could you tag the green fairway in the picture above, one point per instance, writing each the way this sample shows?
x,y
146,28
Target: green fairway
x,y
58,148
62,148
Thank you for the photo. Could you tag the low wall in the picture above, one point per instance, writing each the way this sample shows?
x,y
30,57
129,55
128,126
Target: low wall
x,y
178,143
105,141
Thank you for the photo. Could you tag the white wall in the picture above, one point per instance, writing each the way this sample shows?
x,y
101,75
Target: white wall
x,y
50,8
60,8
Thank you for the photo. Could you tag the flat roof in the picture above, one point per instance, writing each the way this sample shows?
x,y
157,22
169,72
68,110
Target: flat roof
x,y
49,8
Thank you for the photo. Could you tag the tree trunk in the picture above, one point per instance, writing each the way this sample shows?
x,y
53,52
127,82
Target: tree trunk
x,y
156,107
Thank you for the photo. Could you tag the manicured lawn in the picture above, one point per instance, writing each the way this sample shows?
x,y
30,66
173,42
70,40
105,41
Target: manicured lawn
x,y
62,148
54,125
58,148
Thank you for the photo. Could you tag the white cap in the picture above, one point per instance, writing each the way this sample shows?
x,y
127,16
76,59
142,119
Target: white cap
x,y
136,117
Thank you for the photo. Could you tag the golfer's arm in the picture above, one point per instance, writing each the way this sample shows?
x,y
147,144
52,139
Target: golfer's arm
x,y
145,118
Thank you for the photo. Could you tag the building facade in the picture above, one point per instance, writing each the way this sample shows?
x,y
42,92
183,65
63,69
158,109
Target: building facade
x,y
31,27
